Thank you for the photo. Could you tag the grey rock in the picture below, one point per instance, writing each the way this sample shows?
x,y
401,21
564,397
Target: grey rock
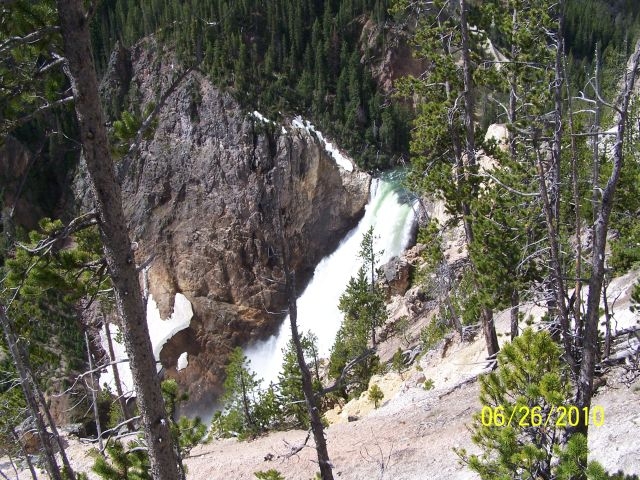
x,y
210,196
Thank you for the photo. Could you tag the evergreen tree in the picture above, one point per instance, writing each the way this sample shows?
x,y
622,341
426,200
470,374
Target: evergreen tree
x,y
443,141
130,463
529,386
522,427
240,399
372,308
364,309
290,391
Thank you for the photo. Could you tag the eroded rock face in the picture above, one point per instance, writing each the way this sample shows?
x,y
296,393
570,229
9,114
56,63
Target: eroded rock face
x,y
210,197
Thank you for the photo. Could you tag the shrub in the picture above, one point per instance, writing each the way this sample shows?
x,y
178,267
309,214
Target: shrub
x,y
271,474
375,395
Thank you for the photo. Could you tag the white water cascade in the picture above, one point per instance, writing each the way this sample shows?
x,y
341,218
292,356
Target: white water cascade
x,y
392,219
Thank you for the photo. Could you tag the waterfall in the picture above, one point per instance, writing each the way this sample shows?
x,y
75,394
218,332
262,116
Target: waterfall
x,y
392,218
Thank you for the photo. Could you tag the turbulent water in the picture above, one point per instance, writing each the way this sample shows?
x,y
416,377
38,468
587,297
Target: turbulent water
x,y
391,213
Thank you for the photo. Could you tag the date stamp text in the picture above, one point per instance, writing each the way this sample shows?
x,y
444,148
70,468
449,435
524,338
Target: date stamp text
x,y
561,416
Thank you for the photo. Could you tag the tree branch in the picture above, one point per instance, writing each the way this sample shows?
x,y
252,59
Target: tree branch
x,y
79,223
31,38
340,381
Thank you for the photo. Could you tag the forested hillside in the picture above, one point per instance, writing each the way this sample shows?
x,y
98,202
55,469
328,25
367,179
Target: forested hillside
x,y
316,58
309,57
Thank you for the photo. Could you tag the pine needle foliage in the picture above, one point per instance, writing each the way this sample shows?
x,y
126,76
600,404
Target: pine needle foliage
x,y
130,463
520,445
271,474
375,395
186,432
46,283
293,408
530,374
243,415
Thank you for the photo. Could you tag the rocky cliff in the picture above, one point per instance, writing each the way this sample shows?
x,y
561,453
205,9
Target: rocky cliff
x,y
205,199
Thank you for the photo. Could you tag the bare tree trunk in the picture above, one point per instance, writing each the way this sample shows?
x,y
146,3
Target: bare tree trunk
x,y
115,239
245,402
67,471
607,319
595,175
489,329
557,275
324,462
457,323
590,349
27,459
515,312
27,387
116,376
556,145
311,400
577,305
93,387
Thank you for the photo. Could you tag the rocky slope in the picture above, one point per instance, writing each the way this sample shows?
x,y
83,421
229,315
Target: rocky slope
x,y
413,433
210,197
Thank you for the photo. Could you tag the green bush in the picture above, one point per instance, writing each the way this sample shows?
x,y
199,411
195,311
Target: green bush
x,y
397,361
375,395
433,333
271,474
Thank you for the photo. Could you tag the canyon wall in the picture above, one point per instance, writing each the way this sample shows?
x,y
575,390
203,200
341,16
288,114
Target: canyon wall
x,y
209,198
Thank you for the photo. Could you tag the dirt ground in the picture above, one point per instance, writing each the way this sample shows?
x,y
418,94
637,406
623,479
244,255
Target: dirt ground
x,y
411,436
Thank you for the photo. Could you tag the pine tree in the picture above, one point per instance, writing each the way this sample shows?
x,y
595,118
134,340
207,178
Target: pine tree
x,y
364,309
240,398
526,409
375,395
374,305
130,463
443,141
529,386
290,391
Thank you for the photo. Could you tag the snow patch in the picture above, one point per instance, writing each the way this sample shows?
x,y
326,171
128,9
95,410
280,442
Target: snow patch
x,y
260,117
183,361
160,331
256,114
335,153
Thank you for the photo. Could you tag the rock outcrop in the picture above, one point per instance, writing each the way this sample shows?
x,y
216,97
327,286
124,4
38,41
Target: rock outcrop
x,y
209,198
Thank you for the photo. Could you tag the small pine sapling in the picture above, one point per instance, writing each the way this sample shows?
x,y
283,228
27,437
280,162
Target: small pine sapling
x,y
375,395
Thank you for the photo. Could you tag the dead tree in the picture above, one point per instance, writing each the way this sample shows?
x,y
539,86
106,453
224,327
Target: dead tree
x,y
74,26
311,400
26,380
600,228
